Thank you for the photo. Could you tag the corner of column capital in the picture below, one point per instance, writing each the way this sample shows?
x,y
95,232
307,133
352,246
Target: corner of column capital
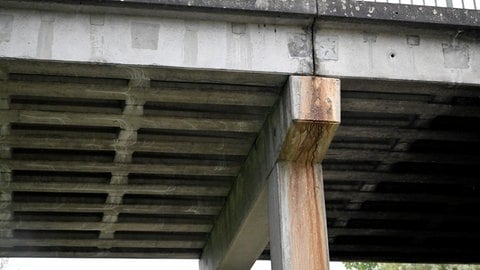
x,y
314,108
315,99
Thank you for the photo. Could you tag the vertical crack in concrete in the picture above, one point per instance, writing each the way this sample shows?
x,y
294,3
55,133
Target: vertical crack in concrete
x,y
312,29
314,60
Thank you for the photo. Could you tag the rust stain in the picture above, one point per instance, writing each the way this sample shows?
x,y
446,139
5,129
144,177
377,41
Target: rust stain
x,y
308,236
317,116
319,99
308,142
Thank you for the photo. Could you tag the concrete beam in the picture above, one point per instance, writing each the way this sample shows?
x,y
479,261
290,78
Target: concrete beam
x,y
79,166
173,93
166,225
162,189
306,115
200,80
154,41
173,208
5,173
229,147
342,49
372,51
129,121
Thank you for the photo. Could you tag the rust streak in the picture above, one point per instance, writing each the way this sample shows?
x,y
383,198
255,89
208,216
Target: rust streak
x,y
316,117
319,100
308,241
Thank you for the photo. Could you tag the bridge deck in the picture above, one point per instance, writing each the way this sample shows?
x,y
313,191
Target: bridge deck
x,y
123,144
87,174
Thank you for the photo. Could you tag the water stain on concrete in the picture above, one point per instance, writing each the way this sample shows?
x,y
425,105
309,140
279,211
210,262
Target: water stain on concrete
x,y
6,27
239,46
144,35
456,55
97,39
45,37
190,44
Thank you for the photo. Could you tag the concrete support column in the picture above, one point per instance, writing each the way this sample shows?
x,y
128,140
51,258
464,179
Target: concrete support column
x,y
283,173
297,220
298,228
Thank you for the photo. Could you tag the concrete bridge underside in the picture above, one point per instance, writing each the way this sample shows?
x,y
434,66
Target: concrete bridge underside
x,y
164,129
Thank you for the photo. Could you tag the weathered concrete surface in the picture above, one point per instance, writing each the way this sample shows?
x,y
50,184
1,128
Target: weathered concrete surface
x,y
401,13
297,216
241,231
261,11
270,6
285,6
298,227
136,40
105,70
367,50
343,49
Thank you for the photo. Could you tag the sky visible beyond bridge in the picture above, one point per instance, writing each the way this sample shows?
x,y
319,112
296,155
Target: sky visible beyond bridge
x,y
120,264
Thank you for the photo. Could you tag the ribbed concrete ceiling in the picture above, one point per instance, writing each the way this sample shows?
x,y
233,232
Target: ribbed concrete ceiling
x,y
120,167
105,164
401,177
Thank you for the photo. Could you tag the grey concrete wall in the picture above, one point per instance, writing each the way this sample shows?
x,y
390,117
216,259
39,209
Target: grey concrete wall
x,y
397,53
352,49
156,41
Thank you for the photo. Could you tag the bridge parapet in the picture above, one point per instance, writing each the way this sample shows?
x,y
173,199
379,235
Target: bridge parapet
x,y
447,13
462,4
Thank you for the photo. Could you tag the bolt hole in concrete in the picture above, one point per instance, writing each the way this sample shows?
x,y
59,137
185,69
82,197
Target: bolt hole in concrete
x,y
392,55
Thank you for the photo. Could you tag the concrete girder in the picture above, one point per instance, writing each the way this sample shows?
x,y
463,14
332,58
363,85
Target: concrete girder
x,y
341,49
393,52
154,41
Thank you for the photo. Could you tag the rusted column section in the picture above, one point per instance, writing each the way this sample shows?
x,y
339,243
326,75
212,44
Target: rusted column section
x,y
298,229
282,165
